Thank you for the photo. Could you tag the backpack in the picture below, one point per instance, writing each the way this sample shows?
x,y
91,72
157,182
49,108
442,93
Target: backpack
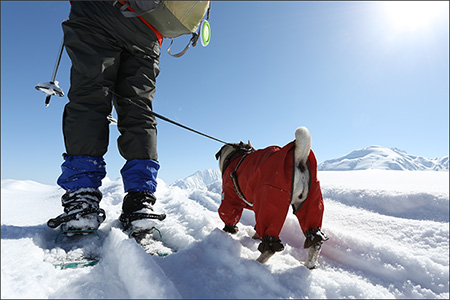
x,y
171,18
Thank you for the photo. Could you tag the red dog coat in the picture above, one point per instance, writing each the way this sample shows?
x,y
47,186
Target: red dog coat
x,y
265,178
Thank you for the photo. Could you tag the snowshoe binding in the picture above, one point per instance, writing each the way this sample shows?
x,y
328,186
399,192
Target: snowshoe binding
x,y
137,212
82,214
138,220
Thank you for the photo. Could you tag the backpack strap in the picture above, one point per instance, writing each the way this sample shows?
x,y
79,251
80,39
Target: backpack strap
x,y
192,41
136,9
123,3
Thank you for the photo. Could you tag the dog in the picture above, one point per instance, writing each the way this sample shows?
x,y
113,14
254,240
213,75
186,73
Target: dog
x,y
269,181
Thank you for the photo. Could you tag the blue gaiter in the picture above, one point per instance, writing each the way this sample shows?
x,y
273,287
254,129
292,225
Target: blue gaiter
x,y
80,171
139,175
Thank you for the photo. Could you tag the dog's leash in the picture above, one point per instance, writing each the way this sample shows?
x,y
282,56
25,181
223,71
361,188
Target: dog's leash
x,y
161,117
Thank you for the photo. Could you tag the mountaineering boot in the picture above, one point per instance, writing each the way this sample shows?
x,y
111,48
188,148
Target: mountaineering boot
x,y
81,211
137,212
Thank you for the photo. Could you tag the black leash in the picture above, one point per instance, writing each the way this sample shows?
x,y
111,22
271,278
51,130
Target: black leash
x,y
162,117
182,126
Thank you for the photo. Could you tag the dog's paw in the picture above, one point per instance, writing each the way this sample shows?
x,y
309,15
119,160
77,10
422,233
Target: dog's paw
x,y
231,229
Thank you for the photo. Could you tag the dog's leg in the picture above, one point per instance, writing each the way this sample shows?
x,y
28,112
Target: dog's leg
x,y
314,240
264,257
313,256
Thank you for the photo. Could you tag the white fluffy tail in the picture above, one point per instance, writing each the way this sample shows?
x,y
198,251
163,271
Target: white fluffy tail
x,y
301,173
303,143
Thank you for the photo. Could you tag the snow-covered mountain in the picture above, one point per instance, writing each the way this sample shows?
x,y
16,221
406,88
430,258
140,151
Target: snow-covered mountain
x,y
388,235
199,180
381,158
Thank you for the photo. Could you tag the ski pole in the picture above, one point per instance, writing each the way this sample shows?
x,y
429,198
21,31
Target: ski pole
x,y
52,88
55,70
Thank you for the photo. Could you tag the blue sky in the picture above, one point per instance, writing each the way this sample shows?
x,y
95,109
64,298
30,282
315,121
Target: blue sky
x,y
355,73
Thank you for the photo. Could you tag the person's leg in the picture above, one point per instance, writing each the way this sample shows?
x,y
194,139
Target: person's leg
x,y
95,63
135,89
134,92
95,60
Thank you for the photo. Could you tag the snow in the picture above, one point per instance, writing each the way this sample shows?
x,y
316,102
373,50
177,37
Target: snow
x,y
382,158
388,230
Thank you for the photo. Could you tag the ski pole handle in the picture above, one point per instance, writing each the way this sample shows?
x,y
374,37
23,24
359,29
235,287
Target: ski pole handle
x,y
47,100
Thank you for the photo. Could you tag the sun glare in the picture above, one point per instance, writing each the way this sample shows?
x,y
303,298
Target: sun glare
x,y
414,15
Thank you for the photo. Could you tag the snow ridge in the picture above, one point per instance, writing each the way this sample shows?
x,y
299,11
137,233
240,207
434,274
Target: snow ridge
x,y
381,158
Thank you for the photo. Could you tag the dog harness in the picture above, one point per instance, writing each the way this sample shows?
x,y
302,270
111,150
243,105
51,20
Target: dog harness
x,y
244,150
235,181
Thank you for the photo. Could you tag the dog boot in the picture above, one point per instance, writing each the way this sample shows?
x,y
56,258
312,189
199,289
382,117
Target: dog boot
x,y
137,212
314,240
231,229
313,256
268,247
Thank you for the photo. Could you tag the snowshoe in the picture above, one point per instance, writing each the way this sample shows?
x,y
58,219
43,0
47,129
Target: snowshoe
x,y
82,213
137,212
138,220
151,240
75,249
76,264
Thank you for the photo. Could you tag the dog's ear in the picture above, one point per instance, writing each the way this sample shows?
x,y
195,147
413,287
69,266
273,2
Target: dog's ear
x,y
219,153
250,144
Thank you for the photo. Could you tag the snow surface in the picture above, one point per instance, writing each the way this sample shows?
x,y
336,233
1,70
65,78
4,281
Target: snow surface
x,y
382,158
388,230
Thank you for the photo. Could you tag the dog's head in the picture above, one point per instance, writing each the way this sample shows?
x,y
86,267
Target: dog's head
x,y
226,153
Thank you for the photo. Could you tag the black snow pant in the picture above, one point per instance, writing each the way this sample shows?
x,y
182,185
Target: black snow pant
x,y
114,58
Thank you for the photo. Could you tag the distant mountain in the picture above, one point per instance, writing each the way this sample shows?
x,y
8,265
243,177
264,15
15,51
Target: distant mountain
x,y
381,158
199,180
